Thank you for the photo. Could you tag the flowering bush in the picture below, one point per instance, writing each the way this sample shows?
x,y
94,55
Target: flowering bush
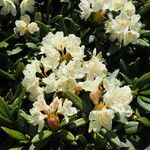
x,y
74,74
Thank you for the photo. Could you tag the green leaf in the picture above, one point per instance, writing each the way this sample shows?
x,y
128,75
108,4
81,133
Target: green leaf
x,y
77,102
4,109
18,101
128,81
3,44
145,121
112,50
143,80
66,135
15,134
145,32
144,9
16,148
32,45
148,148
15,51
124,67
77,123
6,75
4,119
146,92
144,105
41,136
143,43
131,127
81,138
145,99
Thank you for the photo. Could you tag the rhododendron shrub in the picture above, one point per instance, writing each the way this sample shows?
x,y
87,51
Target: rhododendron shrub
x,y
74,74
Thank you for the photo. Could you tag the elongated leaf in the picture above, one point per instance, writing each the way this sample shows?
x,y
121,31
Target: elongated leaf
x,y
145,79
15,134
129,81
81,138
142,43
18,101
124,67
3,44
4,109
66,135
143,104
42,136
77,123
145,121
145,99
16,148
6,75
147,92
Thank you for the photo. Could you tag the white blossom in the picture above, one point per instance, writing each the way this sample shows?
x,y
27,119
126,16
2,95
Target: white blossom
x,y
124,28
69,45
8,6
27,6
23,26
66,109
42,111
101,118
119,99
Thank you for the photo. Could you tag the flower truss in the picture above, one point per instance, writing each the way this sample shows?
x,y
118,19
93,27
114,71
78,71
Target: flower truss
x,y
62,67
124,27
41,112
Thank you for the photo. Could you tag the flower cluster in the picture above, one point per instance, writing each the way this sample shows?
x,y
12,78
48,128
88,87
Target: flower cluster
x,y
115,100
10,6
62,68
41,112
124,27
24,26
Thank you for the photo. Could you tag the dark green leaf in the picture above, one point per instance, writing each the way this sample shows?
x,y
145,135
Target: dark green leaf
x,y
143,104
15,134
6,75
145,79
42,136
145,121
66,135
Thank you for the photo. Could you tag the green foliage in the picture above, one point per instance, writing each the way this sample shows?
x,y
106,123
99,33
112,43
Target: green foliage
x,y
132,61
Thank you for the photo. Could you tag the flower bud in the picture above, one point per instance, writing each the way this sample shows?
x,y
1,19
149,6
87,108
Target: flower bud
x,y
53,121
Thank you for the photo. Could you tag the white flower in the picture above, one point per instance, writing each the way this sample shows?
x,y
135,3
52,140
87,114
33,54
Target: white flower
x,y
27,6
24,25
119,99
64,84
50,82
69,45
8,6
86,10
110,84
91,85
66,109
124,28
72,70
42,111
116,5
51,61
94,67
101,118
129,8
131,37
37,118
